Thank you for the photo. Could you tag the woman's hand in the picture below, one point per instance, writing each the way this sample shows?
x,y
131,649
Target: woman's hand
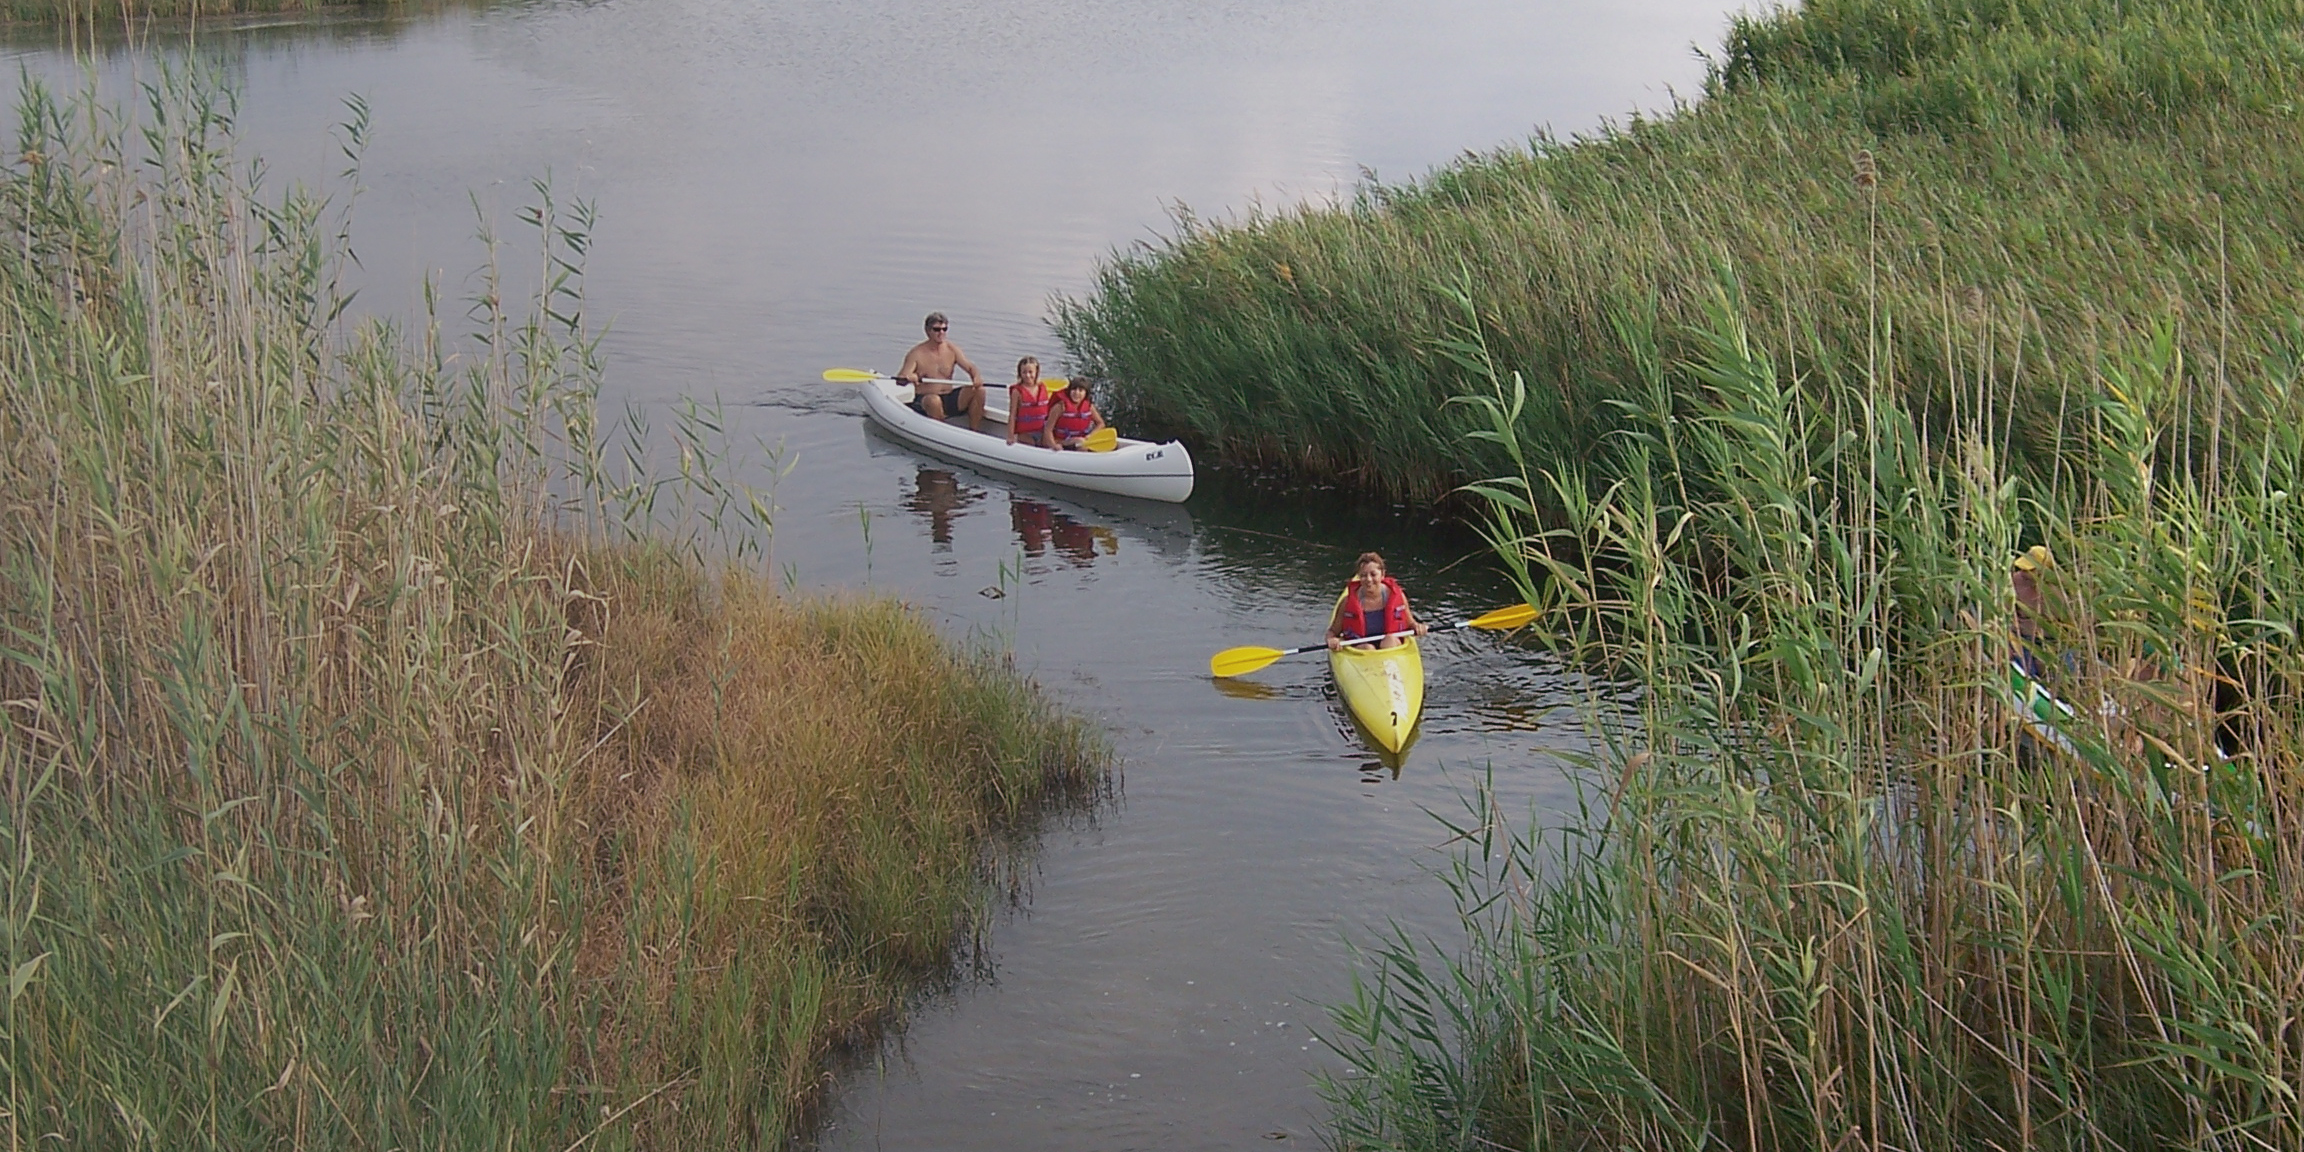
x,y
1335,644
1423,629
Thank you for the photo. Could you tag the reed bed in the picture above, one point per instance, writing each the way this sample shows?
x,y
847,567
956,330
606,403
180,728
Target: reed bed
x,y
2056,166
1841,882
130,13
388,759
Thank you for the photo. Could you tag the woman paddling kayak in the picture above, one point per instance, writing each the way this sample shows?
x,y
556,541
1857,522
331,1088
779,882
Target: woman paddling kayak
x,y
1373,605
1381,681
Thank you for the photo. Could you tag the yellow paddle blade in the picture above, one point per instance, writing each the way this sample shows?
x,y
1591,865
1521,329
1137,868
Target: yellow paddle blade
x,y
1103,439
1241,661
1503,618
1055,383
849,376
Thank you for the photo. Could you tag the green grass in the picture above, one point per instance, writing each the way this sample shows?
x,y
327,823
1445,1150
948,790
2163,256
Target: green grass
x,y
389,761
2040,172
1829,889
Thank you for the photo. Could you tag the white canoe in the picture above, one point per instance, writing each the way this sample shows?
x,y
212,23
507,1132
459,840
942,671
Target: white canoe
x,y
1136,468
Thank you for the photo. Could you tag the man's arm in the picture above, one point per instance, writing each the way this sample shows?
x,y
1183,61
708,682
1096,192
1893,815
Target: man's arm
x,y
961,358
910,372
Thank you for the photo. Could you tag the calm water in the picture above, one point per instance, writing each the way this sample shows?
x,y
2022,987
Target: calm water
x,y
786,187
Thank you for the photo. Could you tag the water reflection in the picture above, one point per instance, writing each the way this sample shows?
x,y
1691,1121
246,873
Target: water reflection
x,y
1374,769
1358,735
1510,714
1041,527
940,498
1241,689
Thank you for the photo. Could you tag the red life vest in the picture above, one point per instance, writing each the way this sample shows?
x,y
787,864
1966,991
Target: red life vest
x,y
1354,623
1027,414
1073,423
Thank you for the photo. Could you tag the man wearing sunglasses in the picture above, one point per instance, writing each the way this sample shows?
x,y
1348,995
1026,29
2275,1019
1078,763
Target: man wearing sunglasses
x,y
929,368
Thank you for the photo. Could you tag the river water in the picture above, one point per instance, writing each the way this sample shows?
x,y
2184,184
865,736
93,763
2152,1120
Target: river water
x,y
788,186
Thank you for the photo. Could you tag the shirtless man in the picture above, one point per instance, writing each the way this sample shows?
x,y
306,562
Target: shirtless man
x,y
935,359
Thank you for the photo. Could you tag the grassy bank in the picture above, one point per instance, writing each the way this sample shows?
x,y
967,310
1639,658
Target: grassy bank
x,y
2010,181
382,767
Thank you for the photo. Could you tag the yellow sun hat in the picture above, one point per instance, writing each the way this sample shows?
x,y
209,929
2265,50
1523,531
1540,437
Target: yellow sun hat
x,y
2035,558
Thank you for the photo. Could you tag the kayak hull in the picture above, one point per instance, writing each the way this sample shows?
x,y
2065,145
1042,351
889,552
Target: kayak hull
x,y
1136,468
1384,688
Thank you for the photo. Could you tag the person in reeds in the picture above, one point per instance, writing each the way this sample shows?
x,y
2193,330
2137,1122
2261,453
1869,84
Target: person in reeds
x,y
1373,605
2043,651
1075,417
2025,574
1028,405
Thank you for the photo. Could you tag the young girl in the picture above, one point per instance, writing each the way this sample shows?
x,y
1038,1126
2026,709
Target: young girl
x,y
1075,416
1373,605
1028,404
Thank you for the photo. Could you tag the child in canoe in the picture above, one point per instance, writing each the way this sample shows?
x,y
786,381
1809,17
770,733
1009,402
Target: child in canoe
x,y
1028,405
1075,416
1373,605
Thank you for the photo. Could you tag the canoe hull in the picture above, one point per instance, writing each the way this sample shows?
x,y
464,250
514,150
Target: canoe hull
x,y
1136,468
1384,688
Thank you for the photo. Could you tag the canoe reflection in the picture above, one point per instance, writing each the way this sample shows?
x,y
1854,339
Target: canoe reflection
x,y
1353,731
939,497
1041,528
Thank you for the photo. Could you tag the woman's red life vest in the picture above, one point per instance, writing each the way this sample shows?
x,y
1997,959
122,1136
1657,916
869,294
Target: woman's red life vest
x,y
1027,414
1071,422
1395,610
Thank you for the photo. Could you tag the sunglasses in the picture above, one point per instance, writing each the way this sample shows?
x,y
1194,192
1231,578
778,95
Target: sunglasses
x,y
941,328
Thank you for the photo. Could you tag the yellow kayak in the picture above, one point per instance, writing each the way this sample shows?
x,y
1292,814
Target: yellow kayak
x,y
1384,687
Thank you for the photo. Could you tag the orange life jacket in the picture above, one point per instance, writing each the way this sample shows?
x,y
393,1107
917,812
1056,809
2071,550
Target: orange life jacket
x,y
1073,423
1028,413
1395,611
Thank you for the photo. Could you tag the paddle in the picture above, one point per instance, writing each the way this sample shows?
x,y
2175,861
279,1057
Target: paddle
x,y
1241,661
1103,439
860,376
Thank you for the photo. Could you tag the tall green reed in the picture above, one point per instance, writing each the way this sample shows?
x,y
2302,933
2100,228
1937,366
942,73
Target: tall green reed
x,y
1837,885
86,17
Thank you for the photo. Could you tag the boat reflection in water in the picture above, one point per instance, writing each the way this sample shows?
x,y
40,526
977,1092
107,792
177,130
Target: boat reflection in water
x,y
1040,527
1353,731
1072,524
940,498
1242,688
